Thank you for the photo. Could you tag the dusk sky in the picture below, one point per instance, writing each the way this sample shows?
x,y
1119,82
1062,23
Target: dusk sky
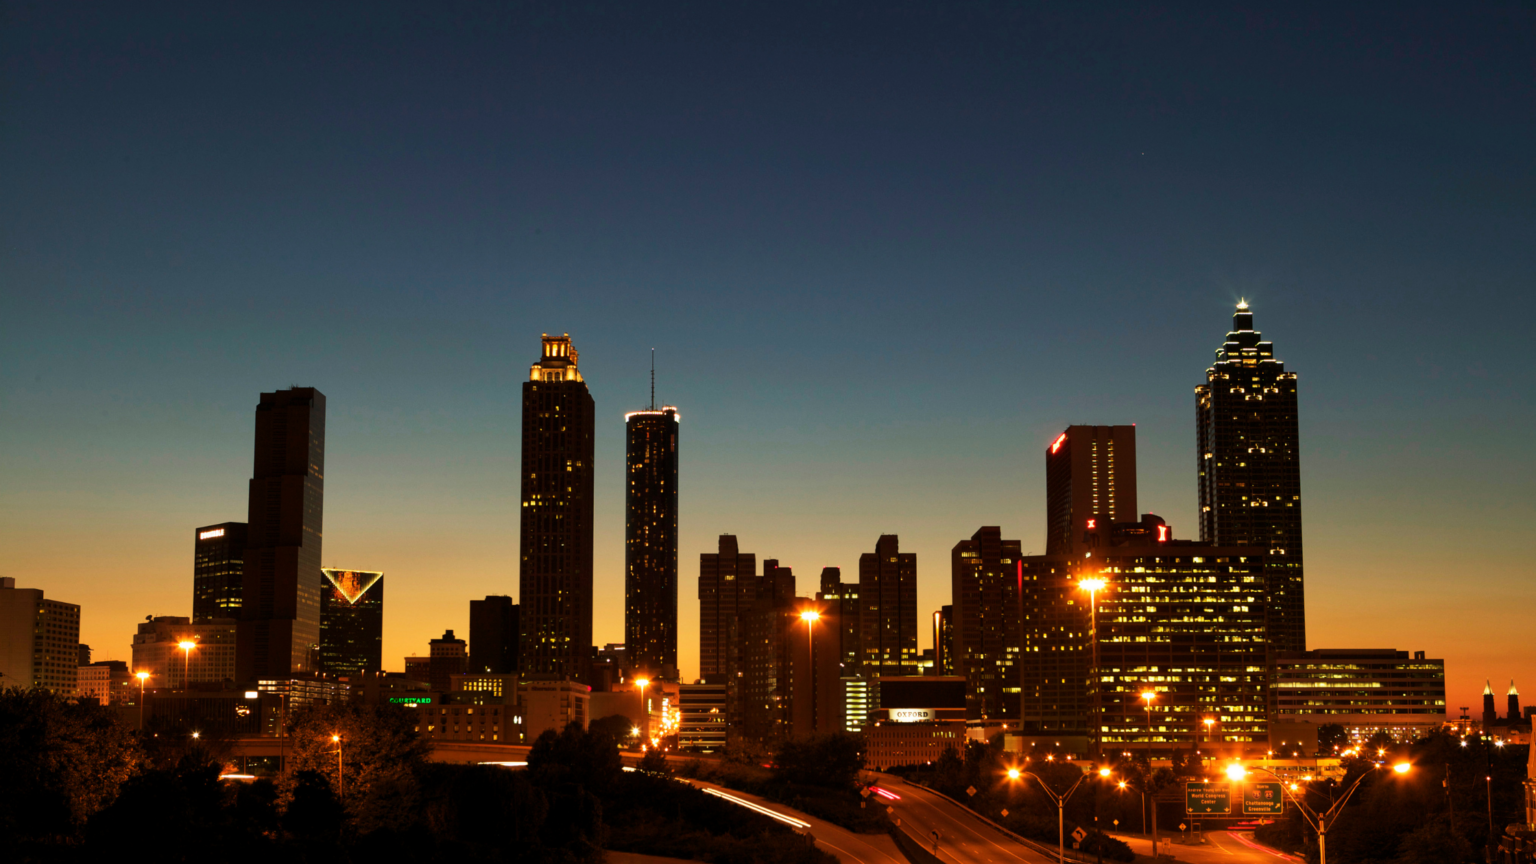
x,y
885,253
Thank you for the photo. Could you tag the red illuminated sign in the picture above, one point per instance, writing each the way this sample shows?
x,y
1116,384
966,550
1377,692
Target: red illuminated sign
x,y
1162,533
1059,439
1093,523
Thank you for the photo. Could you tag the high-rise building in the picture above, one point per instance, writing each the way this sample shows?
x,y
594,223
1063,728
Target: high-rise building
x,y
39,640
650,541
814,648
218,571
351,622
840,600
493,635
157,650
1250,467
1183,621
985,627
1090,483
279,633
702,722
759,706
556,526
448,657
888,609
727,588
944,641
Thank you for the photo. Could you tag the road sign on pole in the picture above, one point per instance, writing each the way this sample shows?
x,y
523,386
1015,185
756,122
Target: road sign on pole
x,y
1263,799
1209,798
1078,834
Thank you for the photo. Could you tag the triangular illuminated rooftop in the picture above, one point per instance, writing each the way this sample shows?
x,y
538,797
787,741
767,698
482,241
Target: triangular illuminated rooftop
x,y
352,584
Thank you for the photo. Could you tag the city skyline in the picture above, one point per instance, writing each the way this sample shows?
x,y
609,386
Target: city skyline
x,y
883,266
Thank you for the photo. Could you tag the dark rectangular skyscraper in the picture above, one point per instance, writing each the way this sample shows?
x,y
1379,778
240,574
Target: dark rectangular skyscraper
x,y
351,622
218,568
1250,467
556,536
888,609
1090,483
985,624
279,632
841,601
727,589
650,542
493,635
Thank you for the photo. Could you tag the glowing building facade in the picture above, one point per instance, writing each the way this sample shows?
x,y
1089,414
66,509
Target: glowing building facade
x,y
351,622
650,542
218,570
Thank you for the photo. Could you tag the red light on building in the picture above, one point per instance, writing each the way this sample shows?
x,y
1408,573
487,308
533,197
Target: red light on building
x,y
1162,533
1056,445
1093,523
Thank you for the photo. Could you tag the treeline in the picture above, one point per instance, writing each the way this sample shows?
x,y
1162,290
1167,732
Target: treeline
x,y
76,785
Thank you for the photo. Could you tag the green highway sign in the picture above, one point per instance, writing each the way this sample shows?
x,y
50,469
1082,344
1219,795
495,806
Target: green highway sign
x,y
1263,799
1207,798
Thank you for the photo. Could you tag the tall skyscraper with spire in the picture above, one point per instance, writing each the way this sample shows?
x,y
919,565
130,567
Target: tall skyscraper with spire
x,y
1250,468
555,544
650,538
279,629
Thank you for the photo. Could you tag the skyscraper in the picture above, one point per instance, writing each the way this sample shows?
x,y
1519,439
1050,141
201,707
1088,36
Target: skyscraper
x,y
841,601
944,641
556,536
351,622
1250,467
888,609
279,631
218,569
985,625
727,588
650,541
39,640
493,635
1090,483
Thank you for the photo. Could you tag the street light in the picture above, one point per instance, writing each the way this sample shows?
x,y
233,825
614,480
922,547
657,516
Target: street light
x,y
186,646
1320,822
1209,722
341,783
810,617
1093,586
1061,808
142,676
645,734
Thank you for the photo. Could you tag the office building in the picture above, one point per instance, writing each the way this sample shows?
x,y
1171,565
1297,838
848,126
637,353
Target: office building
x,y
447,657
1182,621
493,635
859,699
105,681
1250,467
840,600
702,718
1364,690
555,551
944,641
553,705
650,541
157,650
279,633
915,719
351,622
888,745
727,588
1090,482
39,640
759,709
218,571
985,627
888,609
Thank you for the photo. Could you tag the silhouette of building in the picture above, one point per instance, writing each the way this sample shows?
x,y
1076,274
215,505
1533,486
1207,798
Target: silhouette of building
x,y
840,600
493,635
815,655
727,588
218,571
888,609
351,622
1250,467
1090,481
650,541
447,657
556,521
944,641
1514,705
279,632
985,628
39,640
761,712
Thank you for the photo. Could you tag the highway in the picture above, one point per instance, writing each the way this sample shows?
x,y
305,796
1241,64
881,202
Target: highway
x,y
964,838
850,848
1223,847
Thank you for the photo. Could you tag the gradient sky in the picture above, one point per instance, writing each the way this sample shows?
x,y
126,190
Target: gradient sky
x,y
885,252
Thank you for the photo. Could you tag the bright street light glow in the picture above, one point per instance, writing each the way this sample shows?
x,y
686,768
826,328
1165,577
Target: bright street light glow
x,y
141,675
186,644
1148,696
642,683
1236,771
1401,767
1013,773
1104,772
810,615
1091,584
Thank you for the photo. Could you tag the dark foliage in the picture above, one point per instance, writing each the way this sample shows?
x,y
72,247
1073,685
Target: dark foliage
x,y
831,761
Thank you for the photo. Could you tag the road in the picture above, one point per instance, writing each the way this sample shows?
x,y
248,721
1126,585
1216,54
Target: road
x,y
1223,847
850,848
964,838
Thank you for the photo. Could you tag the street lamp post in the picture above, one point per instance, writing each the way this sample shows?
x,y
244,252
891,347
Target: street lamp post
x,y
645,713
186,646
1320,822
341,783
810,617
1146,697
1061,808
142,676
1093,586
1209,722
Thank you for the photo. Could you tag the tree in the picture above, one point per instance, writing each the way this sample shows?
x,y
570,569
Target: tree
x,y
655,762
378,744
61,761
616,726
833,760
575,756
1331,736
